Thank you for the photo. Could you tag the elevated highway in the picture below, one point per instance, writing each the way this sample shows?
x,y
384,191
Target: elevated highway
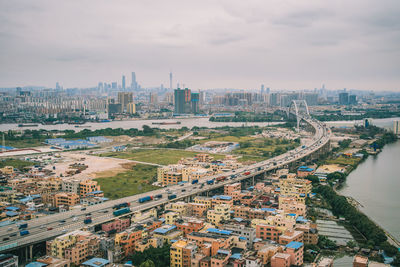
x,y
49,227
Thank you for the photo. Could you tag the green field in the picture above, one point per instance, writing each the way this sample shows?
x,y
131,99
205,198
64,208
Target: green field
x,y
132,182
25,143
159,156
16,163
343,160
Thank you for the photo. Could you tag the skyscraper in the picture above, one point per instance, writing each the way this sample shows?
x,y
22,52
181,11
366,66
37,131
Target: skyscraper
x,y
123,82
179,101
344,98
195,99
184,103
170,80
134,83
262,88
124,98
352,99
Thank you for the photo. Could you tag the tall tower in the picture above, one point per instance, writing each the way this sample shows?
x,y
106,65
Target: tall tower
x,y
133,84
170,80
123,82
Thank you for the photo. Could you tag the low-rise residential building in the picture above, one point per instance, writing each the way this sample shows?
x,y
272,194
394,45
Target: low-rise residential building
x,y
221,213
181,253
66,199
167,233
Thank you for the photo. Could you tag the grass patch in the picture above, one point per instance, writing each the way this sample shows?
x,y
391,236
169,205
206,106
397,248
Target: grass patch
x,y
132,182
159,156
16,163
344,160
25,143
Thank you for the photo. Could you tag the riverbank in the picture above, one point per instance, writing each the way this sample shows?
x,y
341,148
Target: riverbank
x,y
355,210
374,184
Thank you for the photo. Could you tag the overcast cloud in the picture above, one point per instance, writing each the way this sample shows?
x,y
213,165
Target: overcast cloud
x,y
207,44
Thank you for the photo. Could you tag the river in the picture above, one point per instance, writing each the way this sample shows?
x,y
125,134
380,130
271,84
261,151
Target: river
x,y
138,124
375,183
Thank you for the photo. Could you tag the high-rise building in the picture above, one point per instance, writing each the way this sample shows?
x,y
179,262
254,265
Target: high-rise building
x,y
274,99
123,82
124,98
131,108
195,99
396,127
352,99
179,101
134,83
262,88
185,101
344,98
170,80
153,98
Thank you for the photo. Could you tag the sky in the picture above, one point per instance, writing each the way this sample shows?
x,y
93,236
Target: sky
x,y
206,44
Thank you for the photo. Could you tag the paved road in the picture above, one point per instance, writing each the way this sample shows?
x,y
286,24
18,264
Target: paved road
x,y
40,228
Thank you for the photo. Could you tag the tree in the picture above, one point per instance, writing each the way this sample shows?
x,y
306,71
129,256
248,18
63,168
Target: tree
x,y
313,178
389,249
351,244
148,263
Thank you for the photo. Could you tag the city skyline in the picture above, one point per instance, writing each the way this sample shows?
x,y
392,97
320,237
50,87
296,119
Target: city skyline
x,y
213,45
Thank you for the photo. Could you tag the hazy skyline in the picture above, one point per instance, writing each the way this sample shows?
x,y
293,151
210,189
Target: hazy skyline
x,y
206,44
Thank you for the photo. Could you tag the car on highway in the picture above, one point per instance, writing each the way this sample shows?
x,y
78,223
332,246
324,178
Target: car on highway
x,y
105,211
9,229
6,238
82,209
49,228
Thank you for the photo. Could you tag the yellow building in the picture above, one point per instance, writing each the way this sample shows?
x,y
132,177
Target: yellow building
x,y
179,207
66,199
169,175
7,170
204,200
181,253
294,187
88,186
219,214
131,108
58,245
171,217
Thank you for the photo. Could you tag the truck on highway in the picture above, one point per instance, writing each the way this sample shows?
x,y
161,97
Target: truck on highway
x,y
210,182
121,205
145,199
24,232
171,196
121,211
221,178
87,220
23,226
195,181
